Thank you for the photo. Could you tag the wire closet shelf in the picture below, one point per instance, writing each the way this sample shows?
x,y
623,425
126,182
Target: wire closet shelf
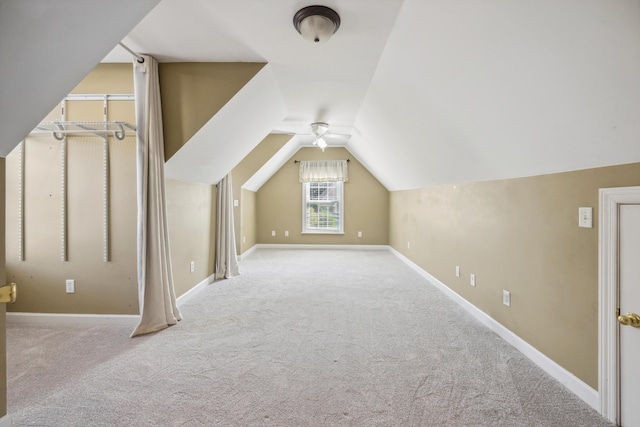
x,y
59,129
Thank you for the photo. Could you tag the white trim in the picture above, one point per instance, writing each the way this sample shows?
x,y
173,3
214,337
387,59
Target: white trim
x,y
6,421
193,291
73,319
94,319
573,383
247,252
610,198
332,247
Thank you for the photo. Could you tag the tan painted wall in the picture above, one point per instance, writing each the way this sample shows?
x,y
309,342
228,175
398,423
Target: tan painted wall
x,y
193,92
189,210
239,176
249,221
3,318
366,203
521,235
101,287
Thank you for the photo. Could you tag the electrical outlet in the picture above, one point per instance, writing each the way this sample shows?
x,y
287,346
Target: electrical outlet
x,y
506,298
408,245
71,286
192,266
273,233
472,280
286,233
457,271
359,233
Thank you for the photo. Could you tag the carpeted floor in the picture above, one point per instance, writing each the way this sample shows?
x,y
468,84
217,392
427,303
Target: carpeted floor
x,y
301,338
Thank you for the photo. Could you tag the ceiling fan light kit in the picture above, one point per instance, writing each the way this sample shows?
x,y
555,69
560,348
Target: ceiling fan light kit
x,y
316,23
319,128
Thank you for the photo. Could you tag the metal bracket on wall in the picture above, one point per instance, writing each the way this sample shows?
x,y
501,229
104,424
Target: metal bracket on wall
x,y
105,185
21,201
63,190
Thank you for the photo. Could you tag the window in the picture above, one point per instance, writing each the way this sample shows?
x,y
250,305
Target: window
x,y
322,207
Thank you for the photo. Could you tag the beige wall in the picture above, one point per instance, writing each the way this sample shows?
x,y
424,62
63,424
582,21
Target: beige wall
x,y
101,287
366,204
244,219
521,235
249,221
193,92
189,210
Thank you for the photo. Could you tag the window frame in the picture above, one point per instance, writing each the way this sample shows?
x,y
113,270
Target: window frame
x,y
306,186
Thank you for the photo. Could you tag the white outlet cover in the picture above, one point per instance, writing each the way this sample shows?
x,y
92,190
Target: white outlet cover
x,y
70,286
359,233
286,233
506,298
457,271
472,279
273,232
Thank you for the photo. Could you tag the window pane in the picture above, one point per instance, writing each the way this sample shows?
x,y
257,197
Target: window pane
x,y
322,207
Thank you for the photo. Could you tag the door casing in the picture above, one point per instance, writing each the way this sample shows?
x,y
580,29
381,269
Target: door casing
x,y
608,381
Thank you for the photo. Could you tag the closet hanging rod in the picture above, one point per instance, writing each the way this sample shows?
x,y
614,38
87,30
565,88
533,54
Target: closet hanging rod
x,y
138,57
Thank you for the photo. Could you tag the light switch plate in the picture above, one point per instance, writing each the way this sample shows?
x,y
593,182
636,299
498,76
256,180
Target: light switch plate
x,y
472,280
457,271
585,217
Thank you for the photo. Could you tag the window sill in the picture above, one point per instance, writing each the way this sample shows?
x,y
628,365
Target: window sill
x,y
322,232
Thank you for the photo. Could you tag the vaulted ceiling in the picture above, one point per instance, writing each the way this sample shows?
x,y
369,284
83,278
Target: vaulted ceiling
x,y
430,91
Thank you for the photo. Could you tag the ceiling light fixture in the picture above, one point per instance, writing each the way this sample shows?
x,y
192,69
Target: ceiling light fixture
x,y
320,142
319,129
316,23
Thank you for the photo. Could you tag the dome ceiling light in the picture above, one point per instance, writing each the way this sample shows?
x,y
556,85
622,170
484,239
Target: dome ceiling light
x,y
316,23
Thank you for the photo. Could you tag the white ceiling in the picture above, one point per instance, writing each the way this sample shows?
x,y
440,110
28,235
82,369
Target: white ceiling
x,y
432,91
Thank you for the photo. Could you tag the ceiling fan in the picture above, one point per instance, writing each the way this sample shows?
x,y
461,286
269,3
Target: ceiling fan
x,y
320,133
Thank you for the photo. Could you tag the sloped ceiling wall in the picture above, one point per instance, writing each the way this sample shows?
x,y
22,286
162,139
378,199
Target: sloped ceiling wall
x,y
47,47
221,143
502,89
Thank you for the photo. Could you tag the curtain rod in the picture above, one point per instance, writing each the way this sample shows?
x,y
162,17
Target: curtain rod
x,y
298,161
138,57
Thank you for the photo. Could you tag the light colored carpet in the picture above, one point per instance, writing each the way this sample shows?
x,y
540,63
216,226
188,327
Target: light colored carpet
x,y
301,338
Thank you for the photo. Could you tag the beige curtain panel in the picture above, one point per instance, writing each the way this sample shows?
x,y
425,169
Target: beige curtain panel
x,y
156,294
226,257
324,171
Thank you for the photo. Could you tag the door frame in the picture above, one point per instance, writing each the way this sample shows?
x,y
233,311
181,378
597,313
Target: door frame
x,y
608,381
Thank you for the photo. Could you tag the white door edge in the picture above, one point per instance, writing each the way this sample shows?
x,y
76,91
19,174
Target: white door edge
x,y
608,385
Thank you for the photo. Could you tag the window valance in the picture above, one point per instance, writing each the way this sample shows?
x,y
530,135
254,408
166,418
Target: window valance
x,y
324,171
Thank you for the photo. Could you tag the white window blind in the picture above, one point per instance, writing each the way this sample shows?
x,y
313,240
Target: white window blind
x,y
324,171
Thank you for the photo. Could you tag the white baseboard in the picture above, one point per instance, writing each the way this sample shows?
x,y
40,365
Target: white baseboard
x,y
193,291
247,252
5,421
573,383
73,319
93,319
332,247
